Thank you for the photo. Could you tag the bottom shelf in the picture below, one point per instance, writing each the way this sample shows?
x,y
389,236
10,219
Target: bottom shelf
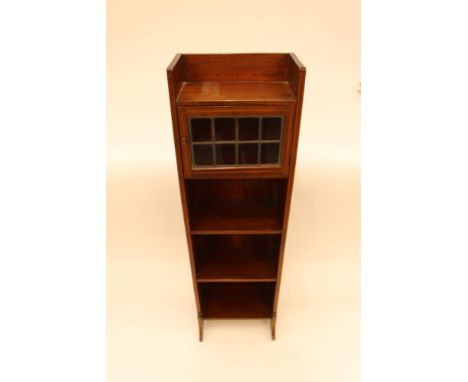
x,y
237,300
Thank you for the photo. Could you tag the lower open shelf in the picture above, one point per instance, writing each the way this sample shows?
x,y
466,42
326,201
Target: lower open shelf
x,y
237,217
236,257
237,300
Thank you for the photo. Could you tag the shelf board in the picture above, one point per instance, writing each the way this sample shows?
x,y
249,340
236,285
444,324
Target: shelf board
x,y
235,92
236,231
237,264
235,280
237,218
237,300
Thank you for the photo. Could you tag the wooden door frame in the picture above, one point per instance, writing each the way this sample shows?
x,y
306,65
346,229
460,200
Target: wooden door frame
x,y
281,170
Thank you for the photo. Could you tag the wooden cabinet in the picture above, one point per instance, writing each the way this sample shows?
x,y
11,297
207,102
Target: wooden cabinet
x,y
236,121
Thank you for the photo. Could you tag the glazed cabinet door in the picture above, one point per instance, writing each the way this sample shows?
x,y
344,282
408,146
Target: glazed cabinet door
x,y
235,140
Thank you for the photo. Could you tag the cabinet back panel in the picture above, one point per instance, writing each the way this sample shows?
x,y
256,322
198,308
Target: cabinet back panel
x,y
236,67
236,190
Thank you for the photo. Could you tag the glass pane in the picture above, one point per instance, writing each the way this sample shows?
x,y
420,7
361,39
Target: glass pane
x,y
225,154
248,129
236,140
225,129
202,155
201,129
270,153
248,153
271,128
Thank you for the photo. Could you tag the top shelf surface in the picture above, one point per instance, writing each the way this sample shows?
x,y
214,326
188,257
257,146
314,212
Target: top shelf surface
x,y
235,79
231,92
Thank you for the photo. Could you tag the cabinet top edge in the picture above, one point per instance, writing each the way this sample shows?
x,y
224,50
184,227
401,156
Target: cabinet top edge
x,y
224,54
179,57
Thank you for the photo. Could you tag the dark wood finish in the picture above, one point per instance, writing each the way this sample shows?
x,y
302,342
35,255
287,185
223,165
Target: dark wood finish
x,y
297,73
237,300
236,258
236,67
174,80
236,204
236,121
237,231
235,93
273,326
232,220
200,327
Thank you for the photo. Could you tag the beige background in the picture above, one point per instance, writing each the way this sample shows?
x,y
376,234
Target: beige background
x,y
152,326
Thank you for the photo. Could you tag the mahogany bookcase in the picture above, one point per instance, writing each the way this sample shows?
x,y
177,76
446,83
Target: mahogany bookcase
x,y
236,121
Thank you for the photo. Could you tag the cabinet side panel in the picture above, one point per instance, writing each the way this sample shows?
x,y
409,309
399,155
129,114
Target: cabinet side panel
x,y
295,68
301,72
172,95
177,68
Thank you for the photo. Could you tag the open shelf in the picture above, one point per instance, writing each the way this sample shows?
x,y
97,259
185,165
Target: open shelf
x,y
240,92
236,258
237,300
234,217
225,206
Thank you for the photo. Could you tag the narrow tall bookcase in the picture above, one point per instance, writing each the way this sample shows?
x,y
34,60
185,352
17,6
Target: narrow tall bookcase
x,y
236,124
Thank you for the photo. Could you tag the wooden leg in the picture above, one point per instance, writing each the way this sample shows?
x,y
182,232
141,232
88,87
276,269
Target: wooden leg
x,y
200,327
273,326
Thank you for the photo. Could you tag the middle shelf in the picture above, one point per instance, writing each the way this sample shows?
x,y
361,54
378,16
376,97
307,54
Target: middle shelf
x,y
236,258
